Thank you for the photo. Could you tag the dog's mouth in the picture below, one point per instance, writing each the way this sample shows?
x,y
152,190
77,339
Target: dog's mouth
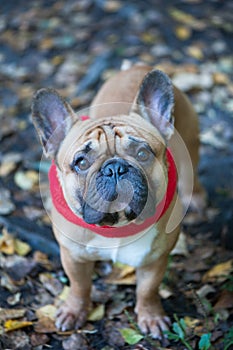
x,y
117,195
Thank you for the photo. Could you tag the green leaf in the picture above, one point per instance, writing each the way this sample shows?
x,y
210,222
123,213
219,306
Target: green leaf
x,y
204,342
228,339
178,330
131,336
171,336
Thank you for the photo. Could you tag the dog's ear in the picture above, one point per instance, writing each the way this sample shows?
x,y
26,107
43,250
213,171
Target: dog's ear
x,y
52,117
155,102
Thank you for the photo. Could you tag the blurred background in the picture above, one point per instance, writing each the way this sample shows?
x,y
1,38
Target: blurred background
x,y
74,46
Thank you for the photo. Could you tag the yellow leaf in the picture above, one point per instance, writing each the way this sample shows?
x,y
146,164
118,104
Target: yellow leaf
x,y
191,322
47,311
64,294
97,313
148,38
12,325
195,51
122,274
219,272
186,18
220,78
183,32
7,243
21,248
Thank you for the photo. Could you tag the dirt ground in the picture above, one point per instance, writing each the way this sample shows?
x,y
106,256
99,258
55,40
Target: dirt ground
x,y
74,46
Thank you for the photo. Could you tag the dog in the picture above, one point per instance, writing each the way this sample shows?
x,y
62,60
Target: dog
x,y
114,184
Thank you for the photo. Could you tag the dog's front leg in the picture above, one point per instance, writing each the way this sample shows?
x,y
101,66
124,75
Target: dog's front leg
x,y
73,313
151,316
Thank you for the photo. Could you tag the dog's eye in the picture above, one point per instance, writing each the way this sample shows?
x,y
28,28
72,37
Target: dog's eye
x,y
143,154
82,164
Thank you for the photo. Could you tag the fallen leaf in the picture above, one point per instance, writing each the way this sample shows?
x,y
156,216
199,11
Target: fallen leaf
x,y
45,325
42,259
220,78
7,314
112,5
9,162
181,246
122,274
97,313
38,339
7,243
14,299
21,248
186,18
10,245
64,294
195,52
183,32
131,336
191,322
52,284
26,180
12,325
46,311
225,301
219,272
6,205
205,290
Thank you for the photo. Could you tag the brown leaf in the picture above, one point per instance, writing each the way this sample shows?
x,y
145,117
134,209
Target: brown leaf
x,y
45,325
122,274
218,272
52,284
39,339
7,314
225,301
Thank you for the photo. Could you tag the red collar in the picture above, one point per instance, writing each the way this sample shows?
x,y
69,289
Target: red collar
x,y
108,231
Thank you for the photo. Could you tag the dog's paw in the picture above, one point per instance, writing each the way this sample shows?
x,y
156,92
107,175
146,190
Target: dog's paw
x,y
154,325
68,318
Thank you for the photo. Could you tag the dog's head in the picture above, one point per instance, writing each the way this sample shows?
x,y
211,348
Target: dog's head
x,y
112,170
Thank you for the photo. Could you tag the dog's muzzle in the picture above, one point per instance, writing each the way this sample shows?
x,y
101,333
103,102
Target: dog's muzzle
x,y
119,187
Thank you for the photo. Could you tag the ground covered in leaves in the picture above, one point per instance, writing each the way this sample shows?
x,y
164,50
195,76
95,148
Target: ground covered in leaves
x,y
74,46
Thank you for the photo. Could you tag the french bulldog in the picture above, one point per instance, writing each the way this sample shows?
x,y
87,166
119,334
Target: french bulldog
x,y
114,184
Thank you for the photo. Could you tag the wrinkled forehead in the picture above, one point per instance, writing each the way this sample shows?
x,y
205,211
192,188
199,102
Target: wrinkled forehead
x,y
108,134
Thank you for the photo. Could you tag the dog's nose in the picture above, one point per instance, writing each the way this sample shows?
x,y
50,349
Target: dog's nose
x,y
115,168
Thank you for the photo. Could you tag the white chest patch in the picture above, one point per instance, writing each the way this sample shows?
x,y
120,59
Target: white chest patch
x,y
131,251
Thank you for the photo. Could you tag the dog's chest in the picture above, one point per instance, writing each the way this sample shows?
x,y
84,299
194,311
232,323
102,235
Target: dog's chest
x,y
136,251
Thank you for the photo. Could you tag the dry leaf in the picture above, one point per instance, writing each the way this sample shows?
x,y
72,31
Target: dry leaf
x,y
122,274
42,259
191,322
7,314
52,284
183,32
220,78
97,313
45,325
7,243
46,311
64,294
187,19
14,299
10,245
181,246
21,248
12,325
225,301
218,272
195,52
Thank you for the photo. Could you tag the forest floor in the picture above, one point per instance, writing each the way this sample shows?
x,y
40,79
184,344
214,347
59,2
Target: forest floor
x,y
74,46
